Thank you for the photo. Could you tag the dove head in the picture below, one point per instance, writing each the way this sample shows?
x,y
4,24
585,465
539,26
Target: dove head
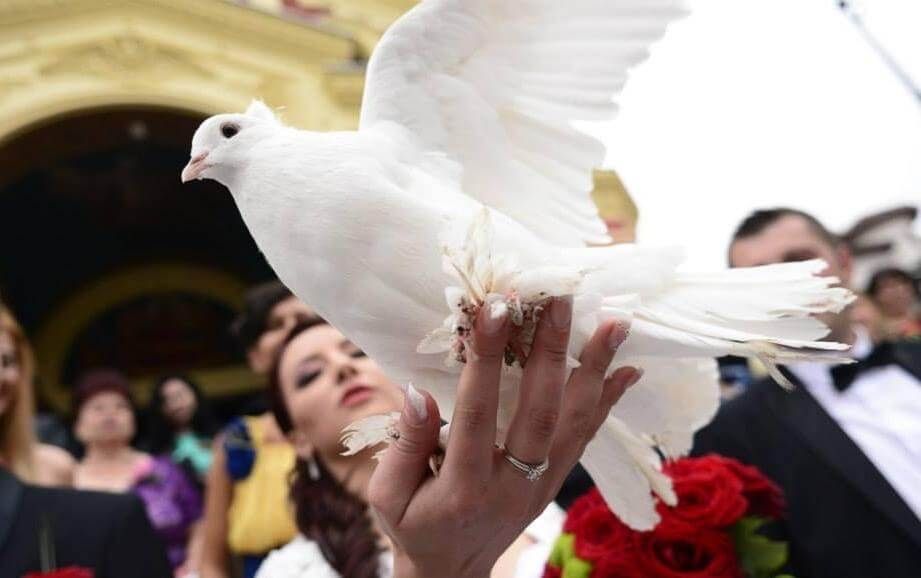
x,y
222,143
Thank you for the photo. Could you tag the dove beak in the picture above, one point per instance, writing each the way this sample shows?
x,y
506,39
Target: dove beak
x,y
195,168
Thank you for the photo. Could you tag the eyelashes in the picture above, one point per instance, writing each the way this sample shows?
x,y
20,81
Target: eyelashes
x,y
306,379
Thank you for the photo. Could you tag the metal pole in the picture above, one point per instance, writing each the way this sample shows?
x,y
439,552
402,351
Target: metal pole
x,y
900,73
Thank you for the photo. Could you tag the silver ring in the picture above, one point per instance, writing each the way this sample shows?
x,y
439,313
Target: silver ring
x,y
532,472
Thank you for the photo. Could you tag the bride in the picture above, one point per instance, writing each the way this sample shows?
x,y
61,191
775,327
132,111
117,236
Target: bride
x,y
426,525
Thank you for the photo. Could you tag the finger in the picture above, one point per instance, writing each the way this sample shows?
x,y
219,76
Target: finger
x,y
541,390
585,388
405,463
566,456
614,388
473,426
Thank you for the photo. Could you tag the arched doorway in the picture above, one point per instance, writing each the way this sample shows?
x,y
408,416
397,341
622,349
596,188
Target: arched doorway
x,y
109,260
103,257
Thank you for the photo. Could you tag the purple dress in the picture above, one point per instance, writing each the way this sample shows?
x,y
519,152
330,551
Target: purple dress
x,y
173,503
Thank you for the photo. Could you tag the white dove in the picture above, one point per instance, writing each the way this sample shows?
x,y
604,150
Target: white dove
x,y
466,184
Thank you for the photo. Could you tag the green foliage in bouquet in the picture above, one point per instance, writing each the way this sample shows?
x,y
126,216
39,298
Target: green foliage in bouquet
x,y
713,532
760,556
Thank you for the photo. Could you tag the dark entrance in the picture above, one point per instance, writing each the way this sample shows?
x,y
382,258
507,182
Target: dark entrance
x,y
107,259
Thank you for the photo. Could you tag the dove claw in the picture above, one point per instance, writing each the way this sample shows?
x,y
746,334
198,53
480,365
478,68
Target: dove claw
x,y
490,279
435,462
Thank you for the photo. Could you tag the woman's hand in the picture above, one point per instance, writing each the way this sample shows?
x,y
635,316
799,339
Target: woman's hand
x,y
457,524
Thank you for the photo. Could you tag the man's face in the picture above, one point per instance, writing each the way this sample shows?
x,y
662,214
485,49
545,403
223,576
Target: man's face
x,y
789,239
792,238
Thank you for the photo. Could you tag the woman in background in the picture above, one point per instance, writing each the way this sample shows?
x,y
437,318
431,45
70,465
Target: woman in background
x,y
29,460
899,299
181,424
105,425
247,514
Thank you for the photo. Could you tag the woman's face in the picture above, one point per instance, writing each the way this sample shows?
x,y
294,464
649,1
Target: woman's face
x,y
10,372
179,403
106,418
328,383
281,320
895,296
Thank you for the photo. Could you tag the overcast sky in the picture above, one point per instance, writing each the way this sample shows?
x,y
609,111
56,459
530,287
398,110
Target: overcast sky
x,y
753,103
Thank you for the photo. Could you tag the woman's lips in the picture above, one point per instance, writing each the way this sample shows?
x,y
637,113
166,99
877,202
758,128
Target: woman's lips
x,y
356,395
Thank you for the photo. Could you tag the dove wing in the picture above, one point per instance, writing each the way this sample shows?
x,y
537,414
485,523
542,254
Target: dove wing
x,y
486,91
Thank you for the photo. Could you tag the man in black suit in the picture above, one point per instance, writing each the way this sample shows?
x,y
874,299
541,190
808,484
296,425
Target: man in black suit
x,y
106,533
845,444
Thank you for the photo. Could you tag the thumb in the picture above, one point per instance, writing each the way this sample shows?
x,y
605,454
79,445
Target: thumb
x,y
405,463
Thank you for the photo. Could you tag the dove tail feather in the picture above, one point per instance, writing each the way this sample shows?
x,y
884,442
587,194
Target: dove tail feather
x,y
627,472
763,312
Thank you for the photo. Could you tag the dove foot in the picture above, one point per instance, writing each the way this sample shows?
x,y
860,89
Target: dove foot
x,y
523,316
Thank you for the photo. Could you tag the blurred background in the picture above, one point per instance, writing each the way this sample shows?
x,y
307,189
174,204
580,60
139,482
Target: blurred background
x,y
107,259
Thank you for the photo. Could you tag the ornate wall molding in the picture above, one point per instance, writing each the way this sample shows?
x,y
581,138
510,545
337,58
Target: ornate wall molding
x,y
206,56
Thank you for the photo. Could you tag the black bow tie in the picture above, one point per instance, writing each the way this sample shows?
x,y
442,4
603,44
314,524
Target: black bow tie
x,y
881,356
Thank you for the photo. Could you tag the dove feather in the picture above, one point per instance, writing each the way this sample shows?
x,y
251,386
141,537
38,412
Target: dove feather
x,y
466,157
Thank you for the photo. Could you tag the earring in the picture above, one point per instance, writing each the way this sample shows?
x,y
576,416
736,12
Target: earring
x,y
313,469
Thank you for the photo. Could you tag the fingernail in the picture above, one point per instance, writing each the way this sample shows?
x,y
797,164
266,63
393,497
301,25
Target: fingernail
x,y
414,409
493,317
561,312
618,335
637,375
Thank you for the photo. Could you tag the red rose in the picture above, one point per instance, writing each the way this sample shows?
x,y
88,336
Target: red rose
x,y
764,496
600,533
69,572
552,572
621,564
584,504
691,554
709,495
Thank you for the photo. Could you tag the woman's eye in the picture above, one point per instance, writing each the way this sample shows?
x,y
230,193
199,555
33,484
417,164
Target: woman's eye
x,y
358,353
306,379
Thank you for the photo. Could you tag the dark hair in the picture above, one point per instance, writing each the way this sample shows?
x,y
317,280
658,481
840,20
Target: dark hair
x,y
257,304
161,434
325,511
97,381
891,273
761,219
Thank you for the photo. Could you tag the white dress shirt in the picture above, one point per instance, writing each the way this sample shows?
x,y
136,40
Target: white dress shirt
x,y
880,412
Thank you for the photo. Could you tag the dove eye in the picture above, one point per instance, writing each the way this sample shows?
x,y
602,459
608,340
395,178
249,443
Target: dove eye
x,y
229,130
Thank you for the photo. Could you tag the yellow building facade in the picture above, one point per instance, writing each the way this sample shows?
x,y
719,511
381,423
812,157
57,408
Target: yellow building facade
x,y
60,58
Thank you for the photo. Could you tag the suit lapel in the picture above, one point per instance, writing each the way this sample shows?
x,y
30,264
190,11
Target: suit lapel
x,y
803,414
908,355
10,496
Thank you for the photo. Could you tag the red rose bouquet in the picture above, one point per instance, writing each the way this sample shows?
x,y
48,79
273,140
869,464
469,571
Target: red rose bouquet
x,y
711,533
71,572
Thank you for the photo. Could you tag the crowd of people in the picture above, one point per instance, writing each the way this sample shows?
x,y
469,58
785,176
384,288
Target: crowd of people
x,y
271,495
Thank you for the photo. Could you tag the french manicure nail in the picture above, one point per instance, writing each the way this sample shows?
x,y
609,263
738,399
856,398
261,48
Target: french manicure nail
x,y
618,335
638,374
414,405
561,312
493,317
